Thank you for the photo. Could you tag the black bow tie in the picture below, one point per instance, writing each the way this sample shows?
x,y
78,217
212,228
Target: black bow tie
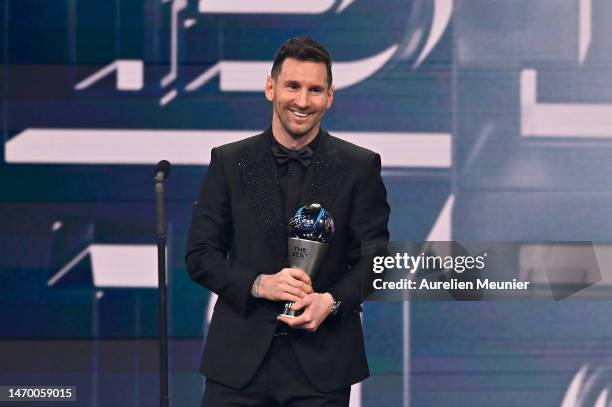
x,y
284,155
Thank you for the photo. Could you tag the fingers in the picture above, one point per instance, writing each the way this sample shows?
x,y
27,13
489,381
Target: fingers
x,y
283,286
302,303
300,275
284,296
286,292
305,288
286,320
306,320
303,321
295,322
292,322
294,282
291,290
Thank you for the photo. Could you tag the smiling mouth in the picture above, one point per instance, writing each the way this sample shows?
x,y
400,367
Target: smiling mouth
x,y
298,114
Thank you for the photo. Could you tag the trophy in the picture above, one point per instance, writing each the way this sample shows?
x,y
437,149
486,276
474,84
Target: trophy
x,y
310,229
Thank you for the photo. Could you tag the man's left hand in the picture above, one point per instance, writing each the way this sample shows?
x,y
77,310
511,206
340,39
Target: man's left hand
x,y
316,308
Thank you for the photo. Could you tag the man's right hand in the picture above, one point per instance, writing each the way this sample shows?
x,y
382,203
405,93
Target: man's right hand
x,y
289,284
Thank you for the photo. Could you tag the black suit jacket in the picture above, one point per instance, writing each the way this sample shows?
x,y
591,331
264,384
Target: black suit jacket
x,y
238,231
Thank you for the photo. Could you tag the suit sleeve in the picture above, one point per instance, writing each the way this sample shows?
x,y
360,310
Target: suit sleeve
x,y
368,222
210,236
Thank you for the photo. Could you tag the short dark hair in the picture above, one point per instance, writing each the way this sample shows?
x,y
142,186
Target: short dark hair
x,y
302,49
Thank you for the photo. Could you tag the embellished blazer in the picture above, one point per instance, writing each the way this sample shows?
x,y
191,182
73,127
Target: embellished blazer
x,y
238,231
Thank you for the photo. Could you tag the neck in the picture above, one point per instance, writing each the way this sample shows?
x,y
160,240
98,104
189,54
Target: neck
x,y
292,143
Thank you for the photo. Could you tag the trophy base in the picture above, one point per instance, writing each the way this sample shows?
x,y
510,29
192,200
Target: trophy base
x,y
289,312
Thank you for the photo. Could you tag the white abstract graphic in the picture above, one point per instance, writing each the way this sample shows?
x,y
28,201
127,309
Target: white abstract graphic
x,y
116,265
560,119
248,76
269,6
574,120
443,10
588,384
129,75
184,147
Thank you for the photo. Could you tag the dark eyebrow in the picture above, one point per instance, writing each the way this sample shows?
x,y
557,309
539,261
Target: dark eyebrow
x,y
318,88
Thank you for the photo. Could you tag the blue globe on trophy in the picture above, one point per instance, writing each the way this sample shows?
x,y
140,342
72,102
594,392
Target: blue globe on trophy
x,y
312,222
311,228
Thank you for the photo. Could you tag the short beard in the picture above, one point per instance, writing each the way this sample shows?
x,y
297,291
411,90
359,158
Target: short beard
x,y
297,136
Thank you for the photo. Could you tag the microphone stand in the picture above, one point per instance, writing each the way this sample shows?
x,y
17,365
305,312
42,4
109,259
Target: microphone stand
x,y
164,399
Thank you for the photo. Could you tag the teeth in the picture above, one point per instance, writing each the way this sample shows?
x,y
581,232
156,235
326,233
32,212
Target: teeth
x,y
299,114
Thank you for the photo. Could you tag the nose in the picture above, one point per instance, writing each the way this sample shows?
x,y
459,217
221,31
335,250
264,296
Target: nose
x,y
301,99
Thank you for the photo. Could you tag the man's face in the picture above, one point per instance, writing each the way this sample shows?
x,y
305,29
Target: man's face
x,y
300,97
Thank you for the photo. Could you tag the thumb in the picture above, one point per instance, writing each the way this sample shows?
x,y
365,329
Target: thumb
x,y
300,304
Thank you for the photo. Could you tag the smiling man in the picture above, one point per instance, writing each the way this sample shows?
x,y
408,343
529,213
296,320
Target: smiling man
x,y
237,248
300,92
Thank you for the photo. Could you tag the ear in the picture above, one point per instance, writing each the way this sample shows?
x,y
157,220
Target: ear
x,y
330,96
269,90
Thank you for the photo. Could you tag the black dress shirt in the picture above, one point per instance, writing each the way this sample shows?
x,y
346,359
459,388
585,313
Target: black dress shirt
x,y
291,177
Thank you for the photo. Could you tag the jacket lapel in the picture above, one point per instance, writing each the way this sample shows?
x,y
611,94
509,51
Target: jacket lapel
x,y
325,177
260,180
